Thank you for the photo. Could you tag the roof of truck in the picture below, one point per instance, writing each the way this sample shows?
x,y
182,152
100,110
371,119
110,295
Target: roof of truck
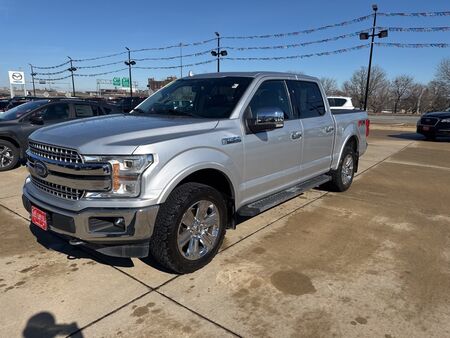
x,y
254,75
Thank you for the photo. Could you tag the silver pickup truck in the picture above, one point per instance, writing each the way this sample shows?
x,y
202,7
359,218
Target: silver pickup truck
x,y
169,178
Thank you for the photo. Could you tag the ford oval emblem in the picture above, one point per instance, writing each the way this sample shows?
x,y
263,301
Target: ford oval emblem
x,y
41,169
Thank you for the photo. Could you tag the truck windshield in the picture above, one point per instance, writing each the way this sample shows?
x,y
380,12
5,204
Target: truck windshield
x,y
19,111
202,98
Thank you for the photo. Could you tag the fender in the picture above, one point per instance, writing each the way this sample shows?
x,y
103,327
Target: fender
x,y
164,179
349,131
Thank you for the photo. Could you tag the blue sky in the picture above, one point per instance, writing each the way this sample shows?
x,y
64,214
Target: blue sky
x,y
44,32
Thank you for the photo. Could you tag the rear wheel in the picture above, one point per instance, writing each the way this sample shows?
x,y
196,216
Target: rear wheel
x,y
190,228
9,155
342,178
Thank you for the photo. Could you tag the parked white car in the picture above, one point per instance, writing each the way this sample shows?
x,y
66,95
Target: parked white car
x,y
340,102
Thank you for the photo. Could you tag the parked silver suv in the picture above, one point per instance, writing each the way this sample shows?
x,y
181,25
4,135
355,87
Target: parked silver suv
x,y
172,176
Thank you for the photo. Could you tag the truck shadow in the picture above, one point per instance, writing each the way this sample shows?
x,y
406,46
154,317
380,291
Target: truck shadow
x,y
43,324
58,243
417,137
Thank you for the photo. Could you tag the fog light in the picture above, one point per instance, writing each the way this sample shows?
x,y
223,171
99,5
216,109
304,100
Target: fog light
x,y
119,222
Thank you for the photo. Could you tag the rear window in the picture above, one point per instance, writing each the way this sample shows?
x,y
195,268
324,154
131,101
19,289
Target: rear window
x,y
83,110
339,102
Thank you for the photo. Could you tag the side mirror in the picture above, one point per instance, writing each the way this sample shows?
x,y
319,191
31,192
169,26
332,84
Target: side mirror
x,y
266,119
37,119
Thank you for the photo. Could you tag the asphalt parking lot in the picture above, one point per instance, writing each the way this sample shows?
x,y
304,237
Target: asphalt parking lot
x,y
374,261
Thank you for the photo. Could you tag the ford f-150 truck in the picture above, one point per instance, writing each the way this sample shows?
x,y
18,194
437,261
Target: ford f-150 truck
x,y
169,178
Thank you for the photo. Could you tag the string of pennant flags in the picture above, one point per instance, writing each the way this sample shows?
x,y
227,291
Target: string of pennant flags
x,y
286,46
273,58
50,74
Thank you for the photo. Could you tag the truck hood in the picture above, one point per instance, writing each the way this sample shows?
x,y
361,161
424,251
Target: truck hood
x,y
120,134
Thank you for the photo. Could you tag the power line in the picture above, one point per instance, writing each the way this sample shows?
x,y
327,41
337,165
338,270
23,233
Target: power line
x,y
413,45
178,66
301,56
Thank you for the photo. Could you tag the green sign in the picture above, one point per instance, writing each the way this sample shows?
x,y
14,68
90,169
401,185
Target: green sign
x,y
125,82
116,81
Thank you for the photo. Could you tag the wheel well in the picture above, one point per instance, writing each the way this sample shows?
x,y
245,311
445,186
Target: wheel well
x,y
219,181
353,142
9,139
213,178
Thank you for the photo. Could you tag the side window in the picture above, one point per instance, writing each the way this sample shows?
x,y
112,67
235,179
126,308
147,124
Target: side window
x,y
55,112
308,101
331,102
270,94
83,110
340,102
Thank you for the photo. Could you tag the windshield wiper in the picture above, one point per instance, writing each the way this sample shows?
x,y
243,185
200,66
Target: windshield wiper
x,y
180,112
138,110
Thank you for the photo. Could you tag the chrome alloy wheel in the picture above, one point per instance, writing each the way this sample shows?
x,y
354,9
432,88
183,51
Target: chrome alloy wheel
x,y
347,169
198,230
6,156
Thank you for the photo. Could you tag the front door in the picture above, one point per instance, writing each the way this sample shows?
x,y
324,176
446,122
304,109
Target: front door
x,y
271,158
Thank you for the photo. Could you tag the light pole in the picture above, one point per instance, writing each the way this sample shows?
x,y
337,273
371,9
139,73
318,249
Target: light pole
x,y
365,36
33,74
71,70
130,63
181,59
218,53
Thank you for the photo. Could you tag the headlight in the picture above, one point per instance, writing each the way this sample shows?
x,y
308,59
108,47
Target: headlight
x,y
125,174
446,120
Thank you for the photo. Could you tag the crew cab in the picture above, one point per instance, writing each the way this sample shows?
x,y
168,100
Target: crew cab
x,y
168,179
17,123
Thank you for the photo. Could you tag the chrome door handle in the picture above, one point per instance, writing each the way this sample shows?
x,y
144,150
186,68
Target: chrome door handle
x,y
296,135
329,129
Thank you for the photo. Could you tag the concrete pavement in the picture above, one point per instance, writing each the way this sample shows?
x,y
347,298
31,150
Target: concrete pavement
x,y
373,261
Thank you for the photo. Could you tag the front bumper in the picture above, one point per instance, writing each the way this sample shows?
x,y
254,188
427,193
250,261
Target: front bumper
x,y
93,228
433,130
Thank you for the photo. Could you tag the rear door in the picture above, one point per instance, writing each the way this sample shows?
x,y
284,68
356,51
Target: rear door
x,y
318,127
271,158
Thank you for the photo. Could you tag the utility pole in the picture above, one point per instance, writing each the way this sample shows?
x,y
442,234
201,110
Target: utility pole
x,y
130,63
365,36
181,59
71,70
218,53
33,74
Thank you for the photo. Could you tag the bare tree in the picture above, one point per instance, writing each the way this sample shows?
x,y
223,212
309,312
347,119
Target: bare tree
x,y
400,88
378,88
329,85
443,72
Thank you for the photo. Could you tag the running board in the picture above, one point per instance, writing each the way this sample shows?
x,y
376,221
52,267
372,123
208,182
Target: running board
x,y
268,202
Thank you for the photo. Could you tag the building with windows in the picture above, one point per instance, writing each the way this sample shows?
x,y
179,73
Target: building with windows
x,y
154,85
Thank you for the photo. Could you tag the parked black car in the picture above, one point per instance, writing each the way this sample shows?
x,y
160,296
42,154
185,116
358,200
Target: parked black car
x,y
18,123
434,124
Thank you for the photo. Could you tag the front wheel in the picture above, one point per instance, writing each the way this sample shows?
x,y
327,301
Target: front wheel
x,y
9,155
190,228
342,178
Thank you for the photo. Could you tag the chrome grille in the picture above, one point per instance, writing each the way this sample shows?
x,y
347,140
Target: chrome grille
x,y
429,121
57,190
55,153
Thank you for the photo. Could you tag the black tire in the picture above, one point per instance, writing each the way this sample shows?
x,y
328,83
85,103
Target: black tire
x,y
164,242
338,183
9,155
430,137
